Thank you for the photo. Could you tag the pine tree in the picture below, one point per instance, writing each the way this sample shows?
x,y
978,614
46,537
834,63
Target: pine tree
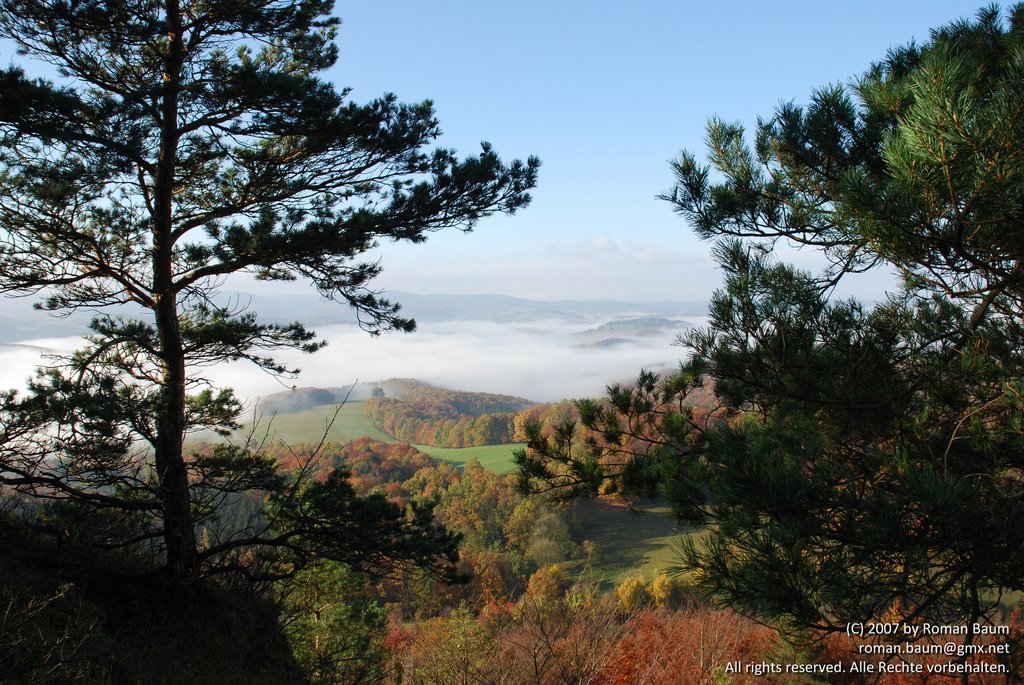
x,y
866,459
185,142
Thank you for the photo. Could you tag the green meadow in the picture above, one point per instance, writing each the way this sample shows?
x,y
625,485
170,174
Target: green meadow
x,y
631,542
495,458
343,423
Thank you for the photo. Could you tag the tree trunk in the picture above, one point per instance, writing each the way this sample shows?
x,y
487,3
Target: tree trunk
x,y
179,528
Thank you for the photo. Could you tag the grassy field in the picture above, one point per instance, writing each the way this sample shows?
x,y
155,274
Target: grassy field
x,y
349,424
494,458
629,543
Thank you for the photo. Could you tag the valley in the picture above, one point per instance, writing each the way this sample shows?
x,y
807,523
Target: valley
x,y
621,541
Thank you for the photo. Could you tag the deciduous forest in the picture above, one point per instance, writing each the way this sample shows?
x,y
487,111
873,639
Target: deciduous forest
x,y
824,490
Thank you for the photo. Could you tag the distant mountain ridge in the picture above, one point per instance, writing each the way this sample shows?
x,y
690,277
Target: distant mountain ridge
x,y
313,311
505,308
627,332
307,397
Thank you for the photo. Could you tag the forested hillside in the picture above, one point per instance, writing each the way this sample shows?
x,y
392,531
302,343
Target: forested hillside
x,y
429,415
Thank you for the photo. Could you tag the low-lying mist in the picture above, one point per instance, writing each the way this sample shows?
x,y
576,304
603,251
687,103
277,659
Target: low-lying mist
x,y
548,358
542,361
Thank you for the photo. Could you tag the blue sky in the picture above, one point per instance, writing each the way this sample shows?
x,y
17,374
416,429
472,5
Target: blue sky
x,y
605,94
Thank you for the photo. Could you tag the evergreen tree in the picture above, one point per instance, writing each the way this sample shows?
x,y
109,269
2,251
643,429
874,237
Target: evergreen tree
x,y
866,460
186,142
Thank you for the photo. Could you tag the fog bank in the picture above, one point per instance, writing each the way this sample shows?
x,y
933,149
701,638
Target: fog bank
x,y
542,351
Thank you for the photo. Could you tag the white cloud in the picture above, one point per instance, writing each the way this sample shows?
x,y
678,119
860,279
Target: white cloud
x,y
599,246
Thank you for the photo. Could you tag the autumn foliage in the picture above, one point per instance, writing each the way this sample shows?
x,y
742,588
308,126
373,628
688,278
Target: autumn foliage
x,y
564,631
685,647
426,415
372,464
